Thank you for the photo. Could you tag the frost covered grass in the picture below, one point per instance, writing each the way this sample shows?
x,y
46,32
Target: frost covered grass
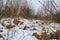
x,y
25,29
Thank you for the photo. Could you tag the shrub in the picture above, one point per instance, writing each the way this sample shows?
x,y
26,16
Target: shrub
x,y
25,12
56,17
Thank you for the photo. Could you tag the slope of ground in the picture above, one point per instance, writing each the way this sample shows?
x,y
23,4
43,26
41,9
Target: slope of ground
x,y
25,29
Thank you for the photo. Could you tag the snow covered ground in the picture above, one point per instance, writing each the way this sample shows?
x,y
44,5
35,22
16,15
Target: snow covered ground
x,y
23,29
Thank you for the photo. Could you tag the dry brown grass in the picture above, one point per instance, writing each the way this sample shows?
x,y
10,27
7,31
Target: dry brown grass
x,y
16,22
26,12
56,35
8,12
37,36
56,17
12,12
10,26
45,36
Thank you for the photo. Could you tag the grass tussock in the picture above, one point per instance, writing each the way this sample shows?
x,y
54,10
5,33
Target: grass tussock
x,y
10,26
56,35
16,22
45,36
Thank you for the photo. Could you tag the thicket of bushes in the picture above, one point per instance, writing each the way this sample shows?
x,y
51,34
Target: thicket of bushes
x,y
26,12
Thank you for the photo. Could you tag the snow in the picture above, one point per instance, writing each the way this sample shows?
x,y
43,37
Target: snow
x,y
1,26
22,35
19,33
30,38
